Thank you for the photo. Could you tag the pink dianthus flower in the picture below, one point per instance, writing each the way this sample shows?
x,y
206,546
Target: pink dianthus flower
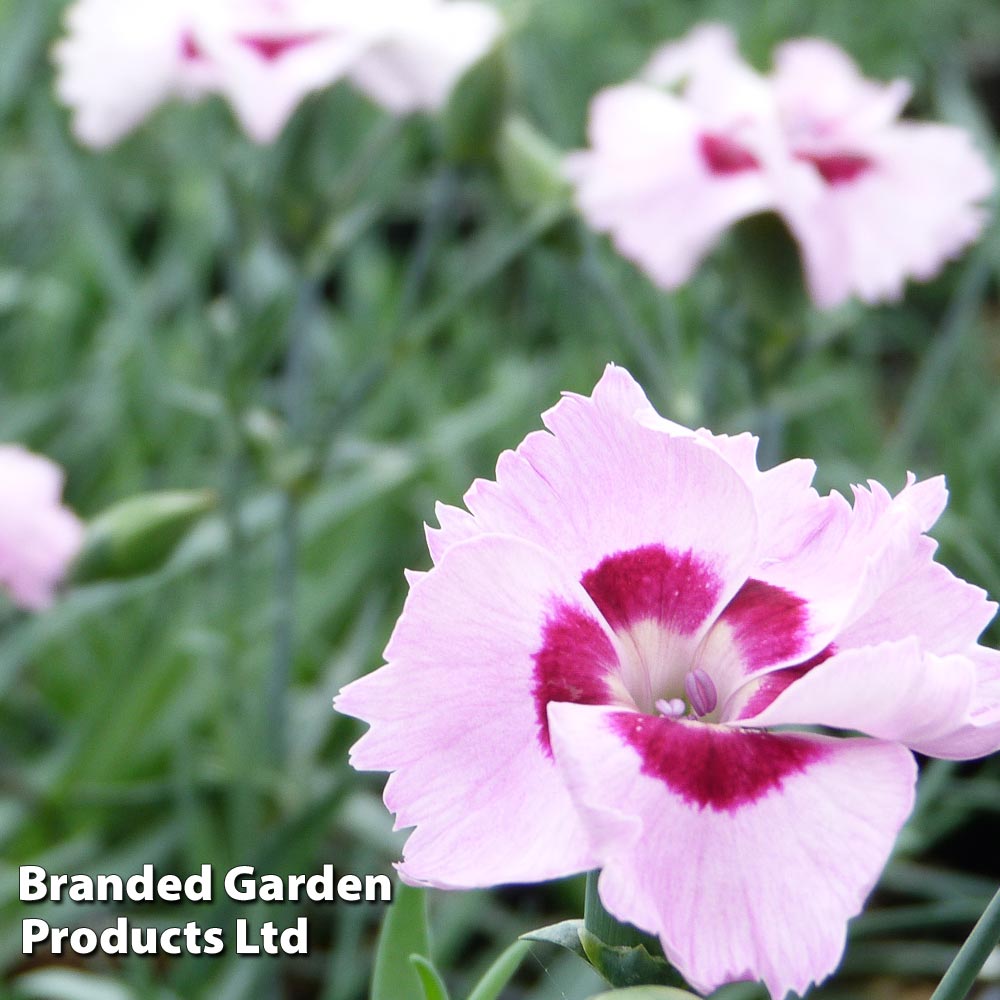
x,y
598,669
122,59
38,536
703,140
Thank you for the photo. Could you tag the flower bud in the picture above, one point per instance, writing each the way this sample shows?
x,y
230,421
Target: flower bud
x,y
139,534
531,165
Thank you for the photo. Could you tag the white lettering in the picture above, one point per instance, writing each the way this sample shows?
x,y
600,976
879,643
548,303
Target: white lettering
x,y
31,884
349,888
240,885
33,931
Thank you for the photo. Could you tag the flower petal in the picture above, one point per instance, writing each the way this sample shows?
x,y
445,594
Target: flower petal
x,y
38,536
823,96
601,484
268,59
647,182
745,852
117,63
455,715
978,734
919,205
456,525
891,691
707,68
841,560
928,602
430,47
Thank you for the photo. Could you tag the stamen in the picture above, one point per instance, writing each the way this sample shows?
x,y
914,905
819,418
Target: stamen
x,y
672,709
700,691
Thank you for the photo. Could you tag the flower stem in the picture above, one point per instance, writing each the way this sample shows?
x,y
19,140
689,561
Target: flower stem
x,y
972,955
602,925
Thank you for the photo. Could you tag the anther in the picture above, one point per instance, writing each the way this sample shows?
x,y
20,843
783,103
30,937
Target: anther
x,y
672,709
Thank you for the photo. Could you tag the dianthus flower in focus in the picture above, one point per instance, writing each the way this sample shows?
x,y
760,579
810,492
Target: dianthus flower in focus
x,y
596,672
38,536
703,140
122,59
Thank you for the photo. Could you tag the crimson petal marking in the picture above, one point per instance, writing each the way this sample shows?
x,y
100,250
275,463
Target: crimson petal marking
x,y
841,168
714,767
575,657
270,49
190,49
677,589
769,624
724,156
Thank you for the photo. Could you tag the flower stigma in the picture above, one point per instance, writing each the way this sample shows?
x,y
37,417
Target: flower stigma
x,y
700,691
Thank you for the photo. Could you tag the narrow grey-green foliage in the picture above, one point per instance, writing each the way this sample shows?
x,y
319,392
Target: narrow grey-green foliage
x,y
334,332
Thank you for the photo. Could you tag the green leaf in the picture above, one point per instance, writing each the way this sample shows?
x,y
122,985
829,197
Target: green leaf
x,y
644,993
430,980
67,984
499,973
628,965
565,934
620,965
404,933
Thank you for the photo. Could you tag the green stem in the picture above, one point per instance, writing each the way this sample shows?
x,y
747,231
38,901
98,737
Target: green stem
x,y
238,736
980,943
627,322
937,363
601,924
296,390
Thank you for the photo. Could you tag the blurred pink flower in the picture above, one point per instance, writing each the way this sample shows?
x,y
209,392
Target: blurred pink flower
x,y
590,674
122,59
871,200
703,141
38,536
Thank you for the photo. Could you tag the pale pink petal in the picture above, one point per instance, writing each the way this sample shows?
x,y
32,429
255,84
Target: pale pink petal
x,y
430,47
746,853
456,525
784,495
458,715
893,691
916,205
650,180
598,483
979,733
840,559
824,99
705,66
269,56
927,601
38,536
120,60
700,53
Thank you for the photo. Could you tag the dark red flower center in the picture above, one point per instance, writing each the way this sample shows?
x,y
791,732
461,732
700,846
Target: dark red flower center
x,y
715,767
190,49
271,48
839,168
675,593
725,156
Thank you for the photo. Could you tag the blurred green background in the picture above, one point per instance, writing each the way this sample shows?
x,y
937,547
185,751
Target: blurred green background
x,y
336,331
